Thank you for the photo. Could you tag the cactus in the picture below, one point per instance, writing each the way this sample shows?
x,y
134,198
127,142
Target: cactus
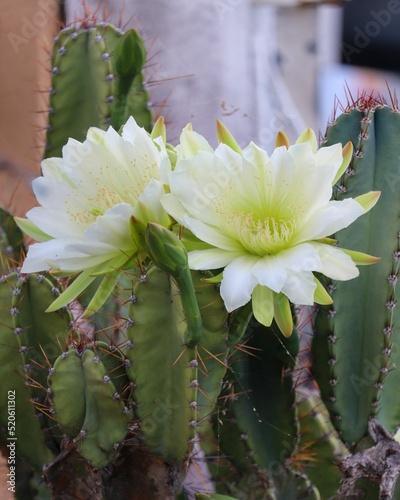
x,y
30,341
11,242
259,435
166,397
352,352
121,408
319,450
97,81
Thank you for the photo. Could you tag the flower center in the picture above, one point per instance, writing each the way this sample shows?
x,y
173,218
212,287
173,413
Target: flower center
x,y
264,235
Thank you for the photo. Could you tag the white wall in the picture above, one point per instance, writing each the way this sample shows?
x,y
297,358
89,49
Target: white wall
x,y
206,46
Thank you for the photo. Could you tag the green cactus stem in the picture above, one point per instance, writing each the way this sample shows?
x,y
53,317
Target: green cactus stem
x,y
30,442
11,242
66,381
163,368
352,348
86,405
96,82
320,450
212,351
264,365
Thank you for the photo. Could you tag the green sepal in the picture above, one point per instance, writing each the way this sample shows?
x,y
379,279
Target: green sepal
x,y
105,289
74,289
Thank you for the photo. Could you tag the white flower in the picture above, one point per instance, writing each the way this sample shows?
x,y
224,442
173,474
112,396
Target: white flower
x,y
265,219
88,199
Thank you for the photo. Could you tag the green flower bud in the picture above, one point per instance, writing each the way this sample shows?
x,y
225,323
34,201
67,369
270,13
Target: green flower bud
x,y
165,249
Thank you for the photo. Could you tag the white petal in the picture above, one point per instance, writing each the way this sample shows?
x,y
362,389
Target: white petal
x,y
255,155
233,161
55,223
238,282
50,193
96,135
173,207
268,272
200,183
211,235
302,155
300,186
112,228
131,131
191,142
303,257
165,163
148,207
283,171
212,258
59,254
335,263
299,287
56,170
334,216
329,159
278,271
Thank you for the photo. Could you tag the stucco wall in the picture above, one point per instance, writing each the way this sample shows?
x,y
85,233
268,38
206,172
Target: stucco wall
x,y
26,28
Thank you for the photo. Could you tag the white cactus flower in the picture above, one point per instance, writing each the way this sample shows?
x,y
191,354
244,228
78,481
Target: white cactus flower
x,y
266,219
88,199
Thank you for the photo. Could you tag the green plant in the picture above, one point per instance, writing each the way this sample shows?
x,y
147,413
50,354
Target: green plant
x,y
97,80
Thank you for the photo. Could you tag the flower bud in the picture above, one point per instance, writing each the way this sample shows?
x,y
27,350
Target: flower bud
x,y
165,249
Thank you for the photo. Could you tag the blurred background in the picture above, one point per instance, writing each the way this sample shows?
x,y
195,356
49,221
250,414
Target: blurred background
x,y
258,65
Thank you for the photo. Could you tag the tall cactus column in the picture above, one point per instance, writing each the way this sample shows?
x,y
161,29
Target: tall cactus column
x,y
96,81
356,348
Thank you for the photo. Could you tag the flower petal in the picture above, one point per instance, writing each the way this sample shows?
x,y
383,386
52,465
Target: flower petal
x,y
212,258
360,258
112,228
335,263
368,200
238,282
269,272
334,216
148,206
347,153
225,137
211,235
308,136
102,293
191,142
300,287
282,140
74,289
